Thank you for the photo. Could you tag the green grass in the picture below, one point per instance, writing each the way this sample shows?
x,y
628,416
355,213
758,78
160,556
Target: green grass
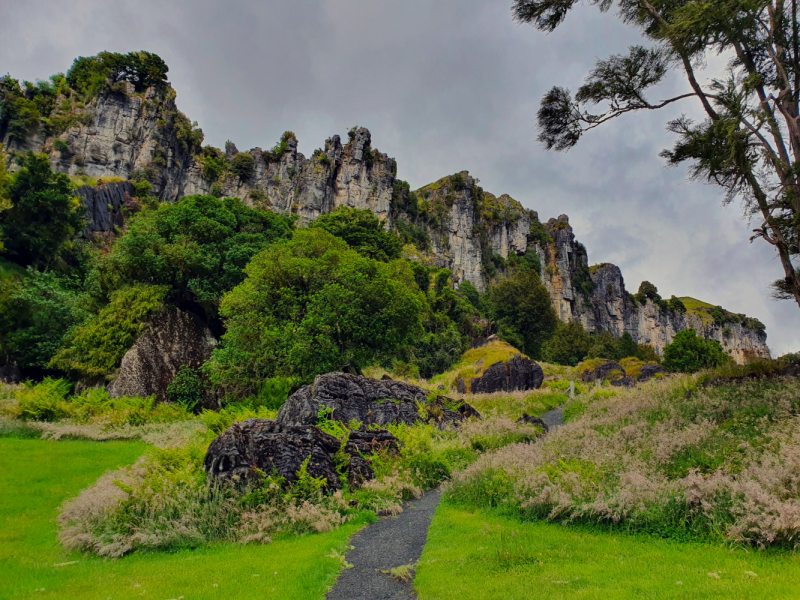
x,y
38,475
514,404
484,556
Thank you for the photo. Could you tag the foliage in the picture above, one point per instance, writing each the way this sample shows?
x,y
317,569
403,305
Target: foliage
x,y
569,345
413,234
747,142
309,306
689,353
5,185
36,314
43,216
187,389
92,351
213,163
197,247
243,165
470,293
282,146
521,306
91,75
362,231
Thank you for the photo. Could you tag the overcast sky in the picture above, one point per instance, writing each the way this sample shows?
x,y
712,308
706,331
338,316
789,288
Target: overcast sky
x,y
444,86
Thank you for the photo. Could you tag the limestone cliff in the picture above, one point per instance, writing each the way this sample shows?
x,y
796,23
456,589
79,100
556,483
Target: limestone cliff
x,y
452,222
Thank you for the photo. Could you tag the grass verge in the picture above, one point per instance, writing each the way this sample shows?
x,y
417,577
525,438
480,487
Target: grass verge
x,y
39,475
474,555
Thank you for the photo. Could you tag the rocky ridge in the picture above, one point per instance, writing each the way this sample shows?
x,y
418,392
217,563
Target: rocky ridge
x,y
454,222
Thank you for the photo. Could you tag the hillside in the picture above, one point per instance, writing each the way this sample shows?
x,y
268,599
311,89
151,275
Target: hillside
x,y
124,131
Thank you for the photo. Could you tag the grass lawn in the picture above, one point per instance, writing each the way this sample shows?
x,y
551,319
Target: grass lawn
x,y
484,556
38,475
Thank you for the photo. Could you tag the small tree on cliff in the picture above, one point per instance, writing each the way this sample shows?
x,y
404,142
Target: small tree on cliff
x,y
749,141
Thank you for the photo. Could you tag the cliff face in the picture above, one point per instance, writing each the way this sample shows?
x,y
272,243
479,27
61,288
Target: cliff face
x,y
465,229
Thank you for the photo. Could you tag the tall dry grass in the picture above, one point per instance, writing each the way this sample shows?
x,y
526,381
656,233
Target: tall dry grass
x,y
669,458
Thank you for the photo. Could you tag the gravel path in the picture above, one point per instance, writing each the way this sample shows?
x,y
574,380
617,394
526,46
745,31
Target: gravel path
x,y
555,417
387,544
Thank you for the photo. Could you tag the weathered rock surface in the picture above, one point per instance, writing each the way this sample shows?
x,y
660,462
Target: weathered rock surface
x,y
275,448
530,420
601,372
368,401
104,205
172,340
518,374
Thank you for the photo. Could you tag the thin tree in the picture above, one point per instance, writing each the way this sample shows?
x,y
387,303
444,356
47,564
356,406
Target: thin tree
x,y
749,141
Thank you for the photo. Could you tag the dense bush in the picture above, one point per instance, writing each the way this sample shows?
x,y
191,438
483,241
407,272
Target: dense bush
x,y
689,353
89,75
243,166
36,312
5,185
197,247
43,216
93,351
188,389
311,305
213,163
569,345
362,231
521,305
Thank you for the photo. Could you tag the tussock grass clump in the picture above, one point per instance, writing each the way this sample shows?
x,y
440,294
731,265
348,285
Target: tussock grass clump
x,y
474,362
720,462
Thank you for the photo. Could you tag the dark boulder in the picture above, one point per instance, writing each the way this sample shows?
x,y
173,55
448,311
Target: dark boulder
x,y
601,372
623,382
650,370
518,374
10,374
274,448
368,401
173,339
530,420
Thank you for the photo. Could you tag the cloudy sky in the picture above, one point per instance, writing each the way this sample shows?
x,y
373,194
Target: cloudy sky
x,y
444,86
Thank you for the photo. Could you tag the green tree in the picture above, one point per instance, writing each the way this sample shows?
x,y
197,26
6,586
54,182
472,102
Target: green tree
x,y
43,215
521,306
362,231
569,345
626,347
689,353
312,305
243,166
749,140
36,315
90,75
603,345
5,185
197,247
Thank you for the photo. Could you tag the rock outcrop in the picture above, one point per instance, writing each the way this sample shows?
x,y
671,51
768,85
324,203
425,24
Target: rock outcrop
x,y
104,204
602,371
173,339
518,374
275,448
462,227
531,420
10,374
368,401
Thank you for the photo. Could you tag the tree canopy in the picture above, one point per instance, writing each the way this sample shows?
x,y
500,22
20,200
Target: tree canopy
x,y
43,215
363,232
311,305
521,306
749,140
197,247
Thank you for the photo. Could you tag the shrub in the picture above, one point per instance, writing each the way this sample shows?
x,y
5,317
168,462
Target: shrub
x,y
94,350
44,402
243,166
188,389
689,353
569,344
88,75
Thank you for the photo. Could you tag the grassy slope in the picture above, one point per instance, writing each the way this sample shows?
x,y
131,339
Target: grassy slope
x,y
465,560
692,304
38,475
